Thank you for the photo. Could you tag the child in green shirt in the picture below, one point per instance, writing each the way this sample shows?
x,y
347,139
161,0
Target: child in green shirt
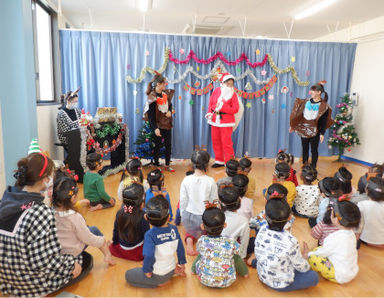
x,y
94,190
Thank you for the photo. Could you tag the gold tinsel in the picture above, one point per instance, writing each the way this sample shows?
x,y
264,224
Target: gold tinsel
x,y
150,69
286,70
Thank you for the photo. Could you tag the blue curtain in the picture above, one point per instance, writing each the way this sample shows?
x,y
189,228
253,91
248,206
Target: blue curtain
x,y
100,61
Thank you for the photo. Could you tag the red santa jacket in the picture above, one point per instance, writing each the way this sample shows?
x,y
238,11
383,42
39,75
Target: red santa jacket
x,y
227,112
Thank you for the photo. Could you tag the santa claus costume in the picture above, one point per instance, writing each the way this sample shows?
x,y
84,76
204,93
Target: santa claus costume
x,y
223,106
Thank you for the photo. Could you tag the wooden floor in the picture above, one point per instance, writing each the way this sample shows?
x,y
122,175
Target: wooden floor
x,y
109,281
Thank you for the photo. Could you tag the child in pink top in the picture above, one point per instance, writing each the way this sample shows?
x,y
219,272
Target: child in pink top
x,y
241,181
72,230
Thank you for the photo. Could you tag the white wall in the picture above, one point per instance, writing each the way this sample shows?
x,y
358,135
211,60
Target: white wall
x,y
46,129
2,169
368,81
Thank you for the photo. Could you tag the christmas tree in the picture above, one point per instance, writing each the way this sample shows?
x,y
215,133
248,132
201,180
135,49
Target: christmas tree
x,y
146,143
343,134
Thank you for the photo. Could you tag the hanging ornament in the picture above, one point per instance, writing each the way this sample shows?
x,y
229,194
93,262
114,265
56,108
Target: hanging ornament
x,y
134,92
198,68
263,100
179,97
284,90
238,69
258,52
191,102
248,105
271,97
248,86
293,59
263,72
181,51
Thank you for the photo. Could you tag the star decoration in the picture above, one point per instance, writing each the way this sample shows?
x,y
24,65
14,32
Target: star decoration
x,y
271,97
239,69
248,105
179,97
283,106
293,59
23,207
263,72
258,52
191,102
181,51
134,92
198,68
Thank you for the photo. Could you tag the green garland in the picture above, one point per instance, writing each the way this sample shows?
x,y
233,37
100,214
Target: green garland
x,y
108,129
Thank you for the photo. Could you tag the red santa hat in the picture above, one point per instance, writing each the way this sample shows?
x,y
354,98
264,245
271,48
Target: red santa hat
x,y
226,76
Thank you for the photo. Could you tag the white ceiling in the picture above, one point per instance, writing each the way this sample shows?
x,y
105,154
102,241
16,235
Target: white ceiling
x,y
263,17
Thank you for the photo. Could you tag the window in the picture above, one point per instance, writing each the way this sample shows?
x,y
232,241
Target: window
x,y
44,54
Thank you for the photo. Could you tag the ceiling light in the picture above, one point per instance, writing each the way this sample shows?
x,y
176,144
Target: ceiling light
x,y
144,5
314,9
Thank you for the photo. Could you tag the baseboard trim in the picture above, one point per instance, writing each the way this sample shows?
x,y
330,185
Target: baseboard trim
x,y
357,160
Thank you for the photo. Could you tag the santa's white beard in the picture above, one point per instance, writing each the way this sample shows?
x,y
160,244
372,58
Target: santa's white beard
x,y
227,92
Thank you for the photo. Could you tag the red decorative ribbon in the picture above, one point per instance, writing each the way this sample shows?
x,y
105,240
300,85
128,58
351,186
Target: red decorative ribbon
x,y
219,55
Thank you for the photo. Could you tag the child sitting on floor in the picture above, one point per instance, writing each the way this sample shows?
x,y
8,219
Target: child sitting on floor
x,y
161,243
336,260
329,188
375,170
324,227
280,175
345,179
231,168
130,225
72,231
237,225
196,191
218,258
288,158
372,212
240,181
245,167
279,262
132,173
155,180
308,196
94,190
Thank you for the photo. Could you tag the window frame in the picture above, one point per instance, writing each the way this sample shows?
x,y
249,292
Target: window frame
x,y
54,53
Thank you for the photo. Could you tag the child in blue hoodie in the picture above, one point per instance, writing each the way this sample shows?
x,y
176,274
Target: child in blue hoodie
x,y
160,245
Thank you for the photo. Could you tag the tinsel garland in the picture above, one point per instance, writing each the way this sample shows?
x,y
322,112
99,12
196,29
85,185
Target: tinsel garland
x,y
286,70
84,132
218,55
214,71
150,69
108,129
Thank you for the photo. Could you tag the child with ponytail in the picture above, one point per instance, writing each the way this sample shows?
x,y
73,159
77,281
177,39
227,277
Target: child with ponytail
x,y
130,225
132,173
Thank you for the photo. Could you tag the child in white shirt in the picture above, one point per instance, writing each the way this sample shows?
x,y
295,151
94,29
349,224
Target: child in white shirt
x,y
241,181
372,212
307,200
279,262
196,191
237,225
336,260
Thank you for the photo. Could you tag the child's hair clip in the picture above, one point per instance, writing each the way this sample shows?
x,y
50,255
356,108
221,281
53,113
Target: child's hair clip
x,y
210,205
134,157
344,197
224,185
128,209
246,155
276,195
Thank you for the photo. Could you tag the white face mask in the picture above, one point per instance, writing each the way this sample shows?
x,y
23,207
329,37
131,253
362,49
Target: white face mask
x,y
227,92
72,106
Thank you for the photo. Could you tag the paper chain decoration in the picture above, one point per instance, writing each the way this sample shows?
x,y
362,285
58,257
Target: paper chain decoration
x,y
241,93
192,55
